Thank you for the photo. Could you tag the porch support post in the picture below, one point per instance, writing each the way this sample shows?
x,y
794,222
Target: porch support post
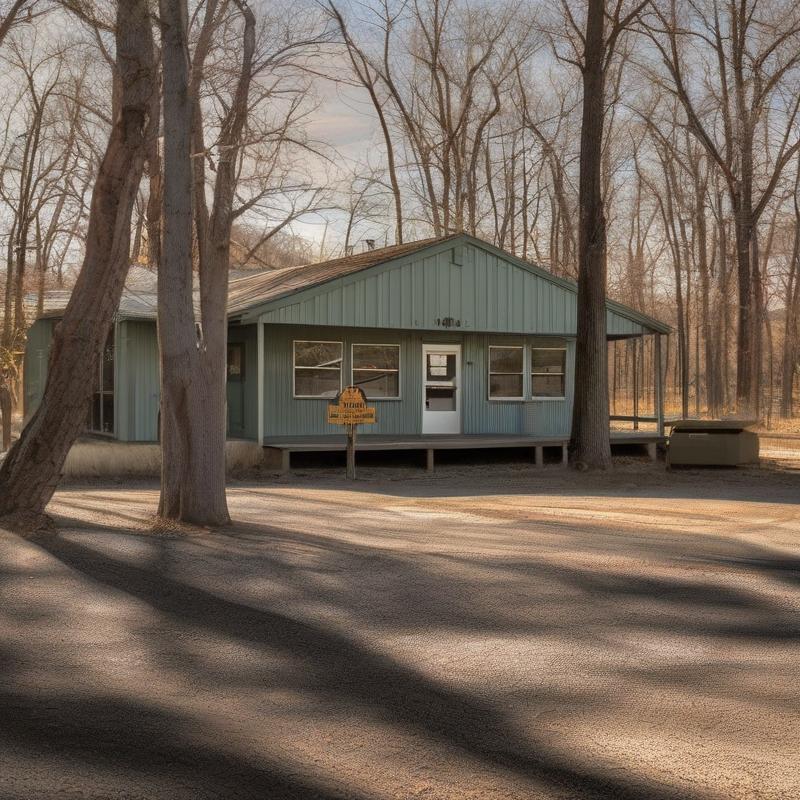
x,y
635,386
659,385
260,387
429,460
539,451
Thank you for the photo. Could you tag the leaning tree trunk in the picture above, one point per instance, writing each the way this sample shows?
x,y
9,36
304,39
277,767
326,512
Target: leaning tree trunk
x,y
590,445
31,471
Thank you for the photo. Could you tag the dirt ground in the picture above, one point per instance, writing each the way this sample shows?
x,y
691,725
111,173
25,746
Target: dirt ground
x,y
485,632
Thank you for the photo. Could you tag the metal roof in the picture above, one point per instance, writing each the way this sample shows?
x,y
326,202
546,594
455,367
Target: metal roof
x,y
139,299
265,286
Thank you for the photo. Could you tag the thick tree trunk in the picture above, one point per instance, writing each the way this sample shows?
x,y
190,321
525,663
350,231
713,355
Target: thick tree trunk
x,y
6,406
193,398
31,471
747,387
8,302
789,358
177,333
590,445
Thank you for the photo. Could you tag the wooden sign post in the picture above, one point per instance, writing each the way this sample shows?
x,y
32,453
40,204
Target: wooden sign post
x,y
350,409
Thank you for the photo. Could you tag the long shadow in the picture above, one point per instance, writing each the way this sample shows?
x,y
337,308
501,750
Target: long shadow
x,y
432,606
648,481
680,595
132,740
340,670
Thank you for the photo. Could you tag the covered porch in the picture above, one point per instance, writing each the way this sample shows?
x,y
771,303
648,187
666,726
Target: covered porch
x,y
278,450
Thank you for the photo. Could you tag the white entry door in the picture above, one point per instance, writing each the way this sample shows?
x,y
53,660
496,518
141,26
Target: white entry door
x,y
441,388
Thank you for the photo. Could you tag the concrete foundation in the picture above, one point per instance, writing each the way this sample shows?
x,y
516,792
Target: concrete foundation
x,y
96,458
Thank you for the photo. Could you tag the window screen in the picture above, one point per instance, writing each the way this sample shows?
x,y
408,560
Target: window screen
x,y
505,372
376,369
317,369
548,371
236,361
100,417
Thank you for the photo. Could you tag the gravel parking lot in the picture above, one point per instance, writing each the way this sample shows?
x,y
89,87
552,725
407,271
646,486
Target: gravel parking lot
x,y
499,632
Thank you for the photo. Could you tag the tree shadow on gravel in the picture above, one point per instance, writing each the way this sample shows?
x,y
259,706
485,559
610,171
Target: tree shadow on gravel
x,y
327,664
123,738
338,670
631,481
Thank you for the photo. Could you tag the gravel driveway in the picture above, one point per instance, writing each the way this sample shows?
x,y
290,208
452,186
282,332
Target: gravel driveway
x,y
482,633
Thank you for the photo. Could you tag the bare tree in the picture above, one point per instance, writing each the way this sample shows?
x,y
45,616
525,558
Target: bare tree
x,y
193,356
31,471
14,15
369,77
590,445
750,66
792,308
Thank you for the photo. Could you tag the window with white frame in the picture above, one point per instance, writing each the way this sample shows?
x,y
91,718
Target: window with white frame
x,y
376,369
317,369
548,371
506,368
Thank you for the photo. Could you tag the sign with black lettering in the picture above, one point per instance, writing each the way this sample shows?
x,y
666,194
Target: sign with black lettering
x,y
350,408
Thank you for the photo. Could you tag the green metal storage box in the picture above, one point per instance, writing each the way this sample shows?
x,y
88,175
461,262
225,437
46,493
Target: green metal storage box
x,y
723,443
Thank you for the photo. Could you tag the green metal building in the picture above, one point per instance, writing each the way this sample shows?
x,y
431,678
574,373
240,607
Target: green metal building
x,y
448,337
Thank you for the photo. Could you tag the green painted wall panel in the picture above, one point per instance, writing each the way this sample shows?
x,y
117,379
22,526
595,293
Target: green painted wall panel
x,y
486,293
137,384
243,395
37,353
617,325
285,415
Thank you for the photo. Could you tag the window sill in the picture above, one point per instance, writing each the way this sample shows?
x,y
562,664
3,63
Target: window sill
x,y
330,399
526,399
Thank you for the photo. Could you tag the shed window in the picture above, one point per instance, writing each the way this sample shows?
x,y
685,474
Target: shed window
x,y
505,373
236,361
548,371
100,418
376,369
317,369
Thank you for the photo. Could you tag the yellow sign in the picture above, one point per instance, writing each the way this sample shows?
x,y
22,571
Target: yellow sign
x,y
350,408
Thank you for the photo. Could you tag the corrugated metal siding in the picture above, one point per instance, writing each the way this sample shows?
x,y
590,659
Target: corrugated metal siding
x,y
138,391
536,417
37,353
485,293
245,391
617,325
137,387
285,415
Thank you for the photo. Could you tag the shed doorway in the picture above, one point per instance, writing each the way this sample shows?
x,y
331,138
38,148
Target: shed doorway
x,y
441,388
